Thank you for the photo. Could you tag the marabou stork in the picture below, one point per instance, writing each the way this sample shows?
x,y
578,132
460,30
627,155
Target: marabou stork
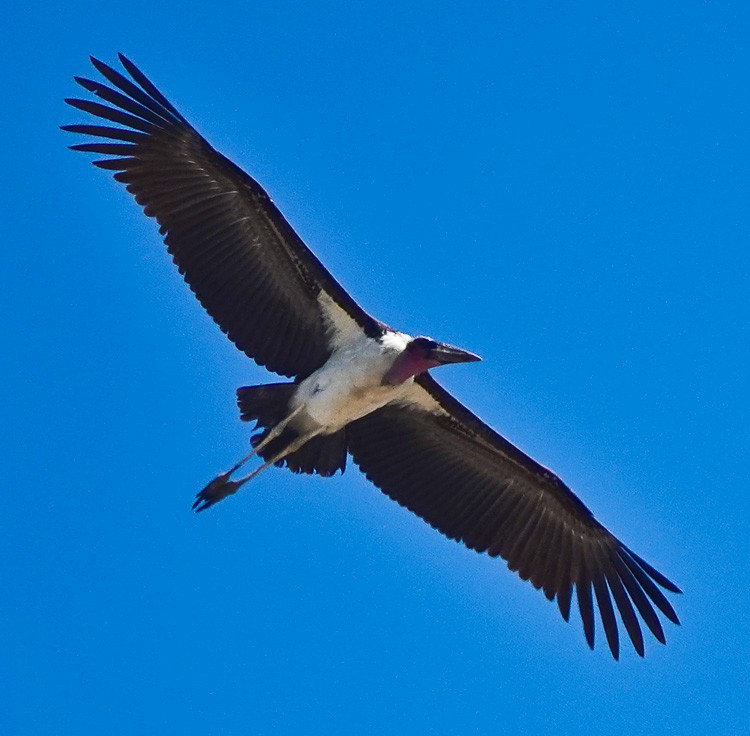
x,y
358,386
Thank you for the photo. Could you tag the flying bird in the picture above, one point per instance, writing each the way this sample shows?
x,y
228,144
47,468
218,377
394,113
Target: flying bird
x,y
358,387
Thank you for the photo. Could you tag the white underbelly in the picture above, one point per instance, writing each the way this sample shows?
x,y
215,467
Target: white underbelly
x,y
332,408
348,387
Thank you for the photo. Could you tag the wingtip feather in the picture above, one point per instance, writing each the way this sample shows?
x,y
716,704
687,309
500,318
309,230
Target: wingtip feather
x,y
98,64
88,84
653,573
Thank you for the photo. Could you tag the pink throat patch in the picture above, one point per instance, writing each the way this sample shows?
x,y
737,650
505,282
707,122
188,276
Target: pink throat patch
x,y
407,365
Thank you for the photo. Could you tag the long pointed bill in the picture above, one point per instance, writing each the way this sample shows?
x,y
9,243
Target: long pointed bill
x,y
444,353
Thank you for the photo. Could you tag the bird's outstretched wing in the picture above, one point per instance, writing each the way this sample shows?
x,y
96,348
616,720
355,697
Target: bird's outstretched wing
x,y
247,266
432,455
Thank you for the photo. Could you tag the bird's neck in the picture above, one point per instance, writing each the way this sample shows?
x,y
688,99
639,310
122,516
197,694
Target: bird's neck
x,y
405,367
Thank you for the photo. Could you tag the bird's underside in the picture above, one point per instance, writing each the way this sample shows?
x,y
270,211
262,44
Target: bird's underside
x,y
358,388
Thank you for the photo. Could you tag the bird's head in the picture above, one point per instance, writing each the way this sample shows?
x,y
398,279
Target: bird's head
x,y
423,353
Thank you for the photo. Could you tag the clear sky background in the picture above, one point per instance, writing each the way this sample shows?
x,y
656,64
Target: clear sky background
x,y
560,187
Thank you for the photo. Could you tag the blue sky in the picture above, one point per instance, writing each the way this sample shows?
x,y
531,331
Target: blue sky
x,y
561,188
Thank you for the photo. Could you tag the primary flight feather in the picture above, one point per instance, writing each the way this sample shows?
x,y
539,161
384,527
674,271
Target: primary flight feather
x,y
360,388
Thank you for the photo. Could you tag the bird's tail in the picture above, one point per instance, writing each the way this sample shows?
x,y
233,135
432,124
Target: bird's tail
x,y
268,405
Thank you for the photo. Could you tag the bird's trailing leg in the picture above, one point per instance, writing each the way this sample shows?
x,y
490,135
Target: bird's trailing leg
x,y
272,435
221,487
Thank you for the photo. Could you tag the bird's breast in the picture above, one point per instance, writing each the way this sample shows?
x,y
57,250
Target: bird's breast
x,y
347,387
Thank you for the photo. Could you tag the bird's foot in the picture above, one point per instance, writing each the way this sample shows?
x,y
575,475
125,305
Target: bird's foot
x,y
217,490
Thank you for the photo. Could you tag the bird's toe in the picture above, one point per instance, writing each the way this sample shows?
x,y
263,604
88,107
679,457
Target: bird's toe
x,y
217,490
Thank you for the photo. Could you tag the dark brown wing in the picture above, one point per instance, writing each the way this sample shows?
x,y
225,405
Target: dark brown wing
x,y
247,266
432,455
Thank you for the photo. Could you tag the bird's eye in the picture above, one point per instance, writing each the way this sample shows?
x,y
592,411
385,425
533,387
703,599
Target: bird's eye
x,y
422,344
